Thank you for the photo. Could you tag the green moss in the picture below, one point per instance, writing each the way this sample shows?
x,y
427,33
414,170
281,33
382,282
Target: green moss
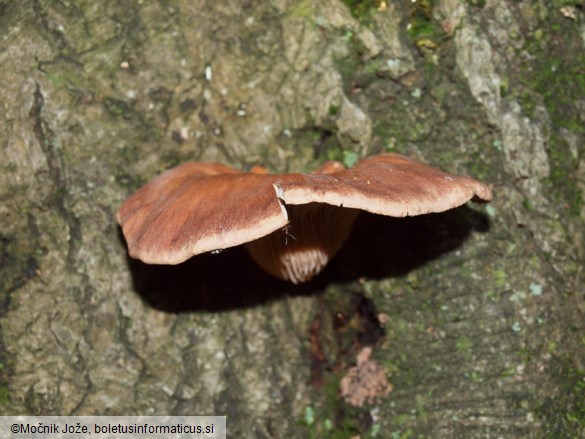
x,y
464,345
422,29
332,419
129,181
155,133
325,144
528,103
302,9
561,180
4,395
527,204
399,434
476,377
349,65
477,3
553,80
4,374
500,278
333,110
61,74
330,416
116,107
510,371
362,10
565,413
350,158
56,79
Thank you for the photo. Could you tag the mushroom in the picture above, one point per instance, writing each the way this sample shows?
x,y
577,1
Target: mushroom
x,y
291,224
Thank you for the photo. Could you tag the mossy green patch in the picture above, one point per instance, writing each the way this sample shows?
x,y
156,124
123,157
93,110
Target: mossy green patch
x,y
477,3
422,29
302,9
350,64
500,278
565,413
117,107
464,345
332,418
362,10
350,158
553,80
4,374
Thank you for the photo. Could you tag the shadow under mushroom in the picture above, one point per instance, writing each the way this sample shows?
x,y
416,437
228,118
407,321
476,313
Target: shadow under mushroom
x,y
378,247
196,218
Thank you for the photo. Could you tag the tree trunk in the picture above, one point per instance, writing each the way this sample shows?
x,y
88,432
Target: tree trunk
x,y
485,304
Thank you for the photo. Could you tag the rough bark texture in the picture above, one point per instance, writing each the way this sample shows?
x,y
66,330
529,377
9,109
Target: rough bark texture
x,y
486,305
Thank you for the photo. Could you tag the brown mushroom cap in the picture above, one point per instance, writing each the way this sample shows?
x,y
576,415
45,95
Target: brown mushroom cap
x,y
200,207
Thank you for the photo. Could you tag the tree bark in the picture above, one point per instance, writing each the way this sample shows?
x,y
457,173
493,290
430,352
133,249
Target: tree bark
x,y
485,304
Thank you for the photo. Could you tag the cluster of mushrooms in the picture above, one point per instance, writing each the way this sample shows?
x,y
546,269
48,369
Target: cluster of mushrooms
x,y
291,224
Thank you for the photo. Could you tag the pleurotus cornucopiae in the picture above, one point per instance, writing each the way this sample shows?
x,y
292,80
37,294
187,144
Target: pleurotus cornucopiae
x,y
291,224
